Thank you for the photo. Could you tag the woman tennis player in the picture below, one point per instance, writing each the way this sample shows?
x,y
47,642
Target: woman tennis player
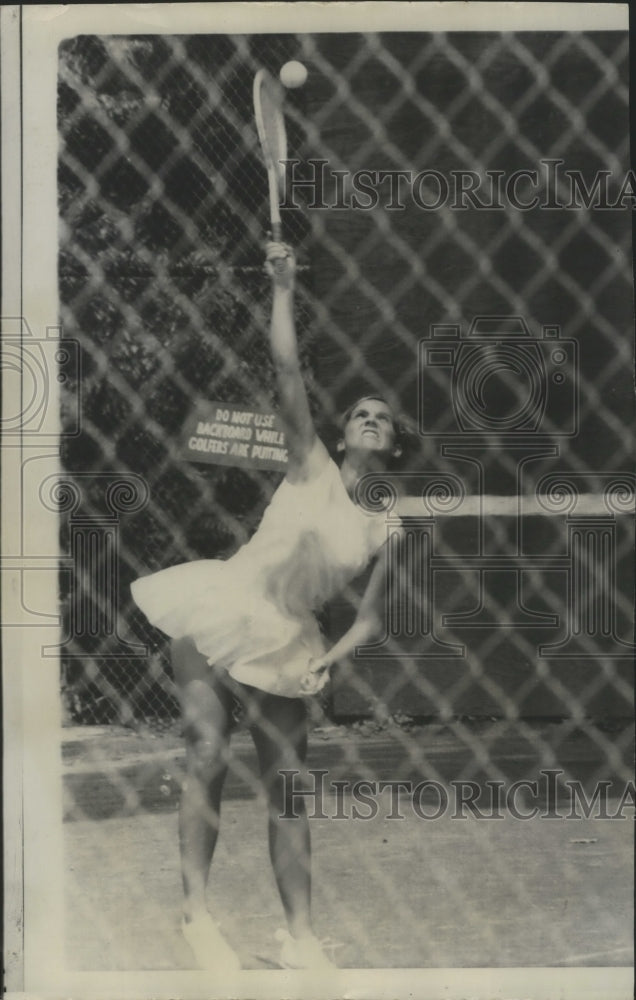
x,y
245,628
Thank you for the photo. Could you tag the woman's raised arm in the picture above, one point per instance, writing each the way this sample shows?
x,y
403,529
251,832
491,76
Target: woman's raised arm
x,y
304,450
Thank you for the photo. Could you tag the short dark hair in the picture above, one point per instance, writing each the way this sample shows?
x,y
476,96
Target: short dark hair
x,y
348,413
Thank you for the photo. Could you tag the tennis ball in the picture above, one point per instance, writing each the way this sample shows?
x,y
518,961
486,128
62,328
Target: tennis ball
x,y
293,74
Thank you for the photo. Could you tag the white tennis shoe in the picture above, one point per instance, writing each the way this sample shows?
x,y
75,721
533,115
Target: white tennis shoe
x,y
302,953
208,945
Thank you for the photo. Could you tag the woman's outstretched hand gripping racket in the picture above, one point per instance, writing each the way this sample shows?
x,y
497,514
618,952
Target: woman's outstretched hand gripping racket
x,y
270,126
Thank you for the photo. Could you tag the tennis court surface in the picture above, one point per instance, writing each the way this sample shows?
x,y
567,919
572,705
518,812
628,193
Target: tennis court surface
x,y
394,893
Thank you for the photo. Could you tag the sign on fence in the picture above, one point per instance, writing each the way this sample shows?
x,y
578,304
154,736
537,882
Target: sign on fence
x,y
231,434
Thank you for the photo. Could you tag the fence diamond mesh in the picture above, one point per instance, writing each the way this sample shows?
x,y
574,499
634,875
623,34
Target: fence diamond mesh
x,y
496,318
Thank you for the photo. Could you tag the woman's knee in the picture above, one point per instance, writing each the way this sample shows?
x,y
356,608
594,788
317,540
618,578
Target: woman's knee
x,y
206,752
207,725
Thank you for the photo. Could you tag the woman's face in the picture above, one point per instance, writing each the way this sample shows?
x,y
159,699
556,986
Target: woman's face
x,y
370,427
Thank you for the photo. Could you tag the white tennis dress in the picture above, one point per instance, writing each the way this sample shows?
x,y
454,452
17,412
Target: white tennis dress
x,y
253,613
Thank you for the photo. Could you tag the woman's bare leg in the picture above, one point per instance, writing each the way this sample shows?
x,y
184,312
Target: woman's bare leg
x,y
207,715
279,729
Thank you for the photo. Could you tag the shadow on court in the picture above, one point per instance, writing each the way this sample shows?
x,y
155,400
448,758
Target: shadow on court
x,y
401,892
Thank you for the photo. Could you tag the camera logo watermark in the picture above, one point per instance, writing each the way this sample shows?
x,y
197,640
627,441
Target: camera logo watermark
x,y
500,380
41,392
499,400
34,370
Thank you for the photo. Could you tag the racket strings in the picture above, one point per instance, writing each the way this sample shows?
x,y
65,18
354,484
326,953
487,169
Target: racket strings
x,y
273,137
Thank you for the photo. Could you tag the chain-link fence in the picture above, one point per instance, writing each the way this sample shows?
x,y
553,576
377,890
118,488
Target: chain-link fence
x,y
163,210
465,247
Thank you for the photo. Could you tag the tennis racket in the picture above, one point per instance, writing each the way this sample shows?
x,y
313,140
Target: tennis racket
x,y
270,125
